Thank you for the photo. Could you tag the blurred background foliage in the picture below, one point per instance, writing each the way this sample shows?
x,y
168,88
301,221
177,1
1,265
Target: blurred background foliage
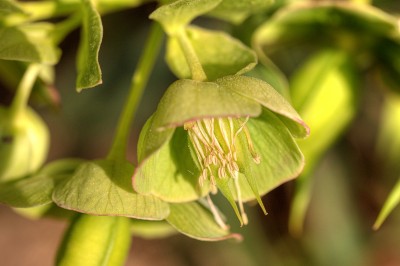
x,y
350,182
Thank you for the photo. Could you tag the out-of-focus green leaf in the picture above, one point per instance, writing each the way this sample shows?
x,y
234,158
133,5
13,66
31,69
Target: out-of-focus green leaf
x,y
104,188
36,190
391,202
89,72
174,16
325,91
219,54
341,24
94,241
197,222
388,57
30,43
9,7
236,11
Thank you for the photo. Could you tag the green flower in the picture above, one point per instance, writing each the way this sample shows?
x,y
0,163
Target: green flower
x,y
233,135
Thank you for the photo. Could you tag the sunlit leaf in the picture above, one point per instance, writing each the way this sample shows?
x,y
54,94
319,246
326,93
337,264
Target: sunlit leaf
x,y
174,16
89,72
391,202
219,54
94,241
196,221
104,188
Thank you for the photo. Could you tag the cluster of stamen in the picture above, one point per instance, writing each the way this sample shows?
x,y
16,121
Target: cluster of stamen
x,y
214,142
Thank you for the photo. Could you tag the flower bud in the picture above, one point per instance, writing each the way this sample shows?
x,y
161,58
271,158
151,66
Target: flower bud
x,y
24,142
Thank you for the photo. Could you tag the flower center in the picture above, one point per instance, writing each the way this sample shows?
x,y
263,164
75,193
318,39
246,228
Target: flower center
x,y
214,142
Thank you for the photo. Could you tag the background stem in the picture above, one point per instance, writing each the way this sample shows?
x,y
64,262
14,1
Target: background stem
x,y
139,82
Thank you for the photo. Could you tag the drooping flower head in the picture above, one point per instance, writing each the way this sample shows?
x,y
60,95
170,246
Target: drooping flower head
x,y
233,135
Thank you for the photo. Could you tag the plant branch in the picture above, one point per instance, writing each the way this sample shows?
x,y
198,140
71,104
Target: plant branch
x,y
139,82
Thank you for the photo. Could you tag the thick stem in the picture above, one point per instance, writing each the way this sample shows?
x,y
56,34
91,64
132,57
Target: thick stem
x,y
191,57
24,91
139,82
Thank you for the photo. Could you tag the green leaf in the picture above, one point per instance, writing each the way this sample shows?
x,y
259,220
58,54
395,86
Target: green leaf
x,y
9,7
30,43
175,16
37,189
89,72
261,92
197,222
236,11
329,21
391,202
327,81
170,173
281,159
189,100
94,241
104,187
219,54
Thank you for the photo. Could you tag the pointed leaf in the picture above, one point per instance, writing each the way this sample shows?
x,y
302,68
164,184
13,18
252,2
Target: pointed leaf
x,y
94,241
263,93
89,72
104,188
170,173
197,222
391,202
173,17
188,100
30,43
219,54
37,189
236,11
281,159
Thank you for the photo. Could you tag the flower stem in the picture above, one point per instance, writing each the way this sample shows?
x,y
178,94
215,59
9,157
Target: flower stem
x,y
139,82
24,91
191,57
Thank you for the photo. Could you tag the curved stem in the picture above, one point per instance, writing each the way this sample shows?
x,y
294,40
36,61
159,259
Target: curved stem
x,y
24,91
191,57
139,81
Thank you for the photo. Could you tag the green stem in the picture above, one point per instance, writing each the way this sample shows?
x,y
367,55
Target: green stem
x,y
391,202
139,82
191,57
23,91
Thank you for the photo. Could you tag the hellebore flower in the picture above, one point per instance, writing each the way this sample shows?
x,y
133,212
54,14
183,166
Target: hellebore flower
x,y
233,135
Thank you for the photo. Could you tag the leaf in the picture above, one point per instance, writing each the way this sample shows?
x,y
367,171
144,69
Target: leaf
x,y
8,7
236,11
104,187
189,100
195,221
264,94
170,173
94,241
30,43
281,159
175,16
219,54
327,20
88,67
37,189
391,202
327,81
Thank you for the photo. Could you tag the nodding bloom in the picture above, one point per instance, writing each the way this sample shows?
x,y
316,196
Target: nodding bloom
x,y
234,135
